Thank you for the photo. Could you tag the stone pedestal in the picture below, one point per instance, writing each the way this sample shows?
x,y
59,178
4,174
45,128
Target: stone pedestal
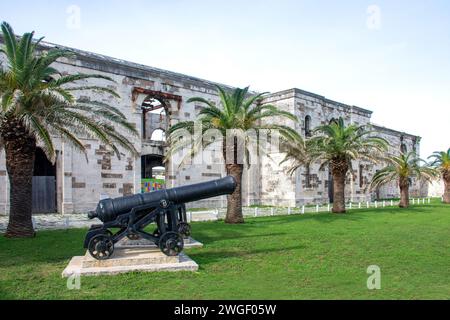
x,y
124,260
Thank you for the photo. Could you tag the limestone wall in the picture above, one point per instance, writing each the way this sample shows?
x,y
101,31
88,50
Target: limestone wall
x,y
82,183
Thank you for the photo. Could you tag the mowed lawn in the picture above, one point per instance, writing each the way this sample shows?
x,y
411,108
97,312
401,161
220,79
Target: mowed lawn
x,y
314,256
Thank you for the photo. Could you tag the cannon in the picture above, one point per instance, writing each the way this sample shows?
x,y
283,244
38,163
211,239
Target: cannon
x,y
130,215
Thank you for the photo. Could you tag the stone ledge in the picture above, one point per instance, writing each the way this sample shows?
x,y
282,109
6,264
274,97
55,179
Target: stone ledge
x,y
123,257
75,267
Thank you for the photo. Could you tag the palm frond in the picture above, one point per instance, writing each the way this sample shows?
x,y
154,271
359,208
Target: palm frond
x,y
33,92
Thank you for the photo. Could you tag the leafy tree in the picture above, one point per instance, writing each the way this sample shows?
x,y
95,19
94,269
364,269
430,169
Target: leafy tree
x,y
335,145
239,112
38,104
402,168
441,161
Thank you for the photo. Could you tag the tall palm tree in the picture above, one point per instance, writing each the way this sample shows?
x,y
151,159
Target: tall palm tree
x,y
335,145
402,168
240,111
38,104
441,161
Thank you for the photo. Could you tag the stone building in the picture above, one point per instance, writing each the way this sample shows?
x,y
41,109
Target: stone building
x,y
154,99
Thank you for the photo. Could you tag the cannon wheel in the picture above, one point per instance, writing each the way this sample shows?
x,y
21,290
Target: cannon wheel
x,y
101,246
171,243
185,229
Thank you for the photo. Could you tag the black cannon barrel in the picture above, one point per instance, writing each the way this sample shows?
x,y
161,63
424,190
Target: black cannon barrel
x,y
108,209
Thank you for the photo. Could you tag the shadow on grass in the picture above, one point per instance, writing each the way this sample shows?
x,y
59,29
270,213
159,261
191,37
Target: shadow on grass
x,y
230,235
323,217
47,247
208,257
261,227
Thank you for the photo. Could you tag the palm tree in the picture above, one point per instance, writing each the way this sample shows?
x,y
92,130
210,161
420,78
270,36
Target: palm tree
x,y
238,111
403,168
441,161
335,145
38,104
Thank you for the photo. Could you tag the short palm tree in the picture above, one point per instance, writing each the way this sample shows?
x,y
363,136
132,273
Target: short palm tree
x,y
240,111
37,105
402,168
441,161
335,145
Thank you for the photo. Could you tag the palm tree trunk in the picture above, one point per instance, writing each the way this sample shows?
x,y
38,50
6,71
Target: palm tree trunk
x,y
20,153
339,192
339,170
404,193
234,200
446,197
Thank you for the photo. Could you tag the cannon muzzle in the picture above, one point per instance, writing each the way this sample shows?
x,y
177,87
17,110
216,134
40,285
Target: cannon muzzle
x,y
109,209
92,214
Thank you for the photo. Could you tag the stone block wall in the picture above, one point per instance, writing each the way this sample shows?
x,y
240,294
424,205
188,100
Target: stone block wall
x,y
83,180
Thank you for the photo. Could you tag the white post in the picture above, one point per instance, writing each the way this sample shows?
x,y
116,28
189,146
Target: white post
x,y
317,208
303,209
392,203
376,204
423,201
384,203
429,200
413,201
256,211
367,204
350,205
33,220
289,211
329,208
271,211
359,205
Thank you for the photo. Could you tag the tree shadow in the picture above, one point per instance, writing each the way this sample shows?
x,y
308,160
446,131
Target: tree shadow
x,y
47,247
230,235
324,217
209,257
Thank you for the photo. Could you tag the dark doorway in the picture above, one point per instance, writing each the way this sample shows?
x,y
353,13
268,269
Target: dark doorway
x,y
330,187
44,184
153,174
148,162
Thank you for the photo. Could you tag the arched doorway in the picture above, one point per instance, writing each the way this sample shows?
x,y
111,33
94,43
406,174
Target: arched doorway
x,y
153,173
154,125
44,184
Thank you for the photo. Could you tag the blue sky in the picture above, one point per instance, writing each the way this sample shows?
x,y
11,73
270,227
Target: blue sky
x,y
388,56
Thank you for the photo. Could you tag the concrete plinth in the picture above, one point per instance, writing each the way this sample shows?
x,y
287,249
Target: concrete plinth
x,y
129,260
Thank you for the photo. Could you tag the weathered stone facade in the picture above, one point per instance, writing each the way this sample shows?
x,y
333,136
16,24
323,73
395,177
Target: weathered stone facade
x,y
311,187
80,183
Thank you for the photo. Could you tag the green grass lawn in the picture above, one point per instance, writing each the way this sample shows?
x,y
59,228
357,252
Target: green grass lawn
x,y
314,256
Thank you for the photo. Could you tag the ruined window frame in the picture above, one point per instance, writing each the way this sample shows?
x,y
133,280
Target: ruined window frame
x,y
308,131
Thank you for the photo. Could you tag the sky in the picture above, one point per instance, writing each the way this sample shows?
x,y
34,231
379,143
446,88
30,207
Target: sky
x,y
391,57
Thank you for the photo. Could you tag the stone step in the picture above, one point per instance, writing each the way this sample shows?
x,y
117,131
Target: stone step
x,y
123,257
